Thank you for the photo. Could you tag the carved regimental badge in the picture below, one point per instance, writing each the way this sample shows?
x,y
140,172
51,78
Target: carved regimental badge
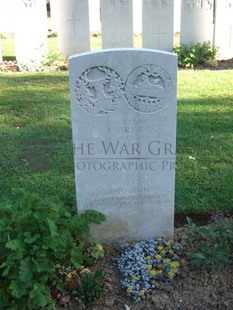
x,y
148,88
98,90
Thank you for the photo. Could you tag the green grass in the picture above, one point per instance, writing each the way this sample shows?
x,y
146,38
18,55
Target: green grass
x,y
35,131
36,147
8,50
205,132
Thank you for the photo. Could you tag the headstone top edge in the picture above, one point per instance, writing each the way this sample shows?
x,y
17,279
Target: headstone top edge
x,y
138,50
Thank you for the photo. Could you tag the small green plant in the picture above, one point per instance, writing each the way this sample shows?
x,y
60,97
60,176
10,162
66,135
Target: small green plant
x,y
91,287
93,252
38,237
191,55
54,58
52,34
212,244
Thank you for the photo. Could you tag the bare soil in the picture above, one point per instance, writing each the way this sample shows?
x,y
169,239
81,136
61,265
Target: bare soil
x,y
193,289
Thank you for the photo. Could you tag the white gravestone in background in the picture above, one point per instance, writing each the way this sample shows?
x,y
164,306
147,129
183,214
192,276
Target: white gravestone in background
x,y
137,16
157,24
117,23
31,33
196,21
224,28
73,27
7,15
123,104
94,13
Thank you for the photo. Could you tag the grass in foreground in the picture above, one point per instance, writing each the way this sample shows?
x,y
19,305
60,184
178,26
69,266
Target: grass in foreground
x,y
36,146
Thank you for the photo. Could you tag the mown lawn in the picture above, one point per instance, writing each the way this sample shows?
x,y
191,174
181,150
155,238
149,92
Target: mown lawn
x,y
36,147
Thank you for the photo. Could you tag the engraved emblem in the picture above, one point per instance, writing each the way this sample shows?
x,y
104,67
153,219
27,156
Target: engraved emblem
x,y
148,88
98,90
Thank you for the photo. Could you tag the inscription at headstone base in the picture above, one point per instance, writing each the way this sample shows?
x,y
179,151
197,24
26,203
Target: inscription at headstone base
x,y
123,104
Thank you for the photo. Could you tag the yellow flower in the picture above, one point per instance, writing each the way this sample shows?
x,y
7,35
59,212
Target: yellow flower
x,y
159,247
153,272
129,289
162,251
148,257
160,239
161,266
149,266
167,260
171,252
134,277
175,264
168,244
171,273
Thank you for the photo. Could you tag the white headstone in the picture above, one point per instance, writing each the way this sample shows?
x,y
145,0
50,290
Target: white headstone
x,y
224,28
196,21
73,27
137,16
31,33
7,18
177,15
117,23
123,104
157,24
94,13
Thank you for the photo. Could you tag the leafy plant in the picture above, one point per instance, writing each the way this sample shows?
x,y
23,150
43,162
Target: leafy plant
x,y
54,58
91,287
93,252
38,237
213,243
190,55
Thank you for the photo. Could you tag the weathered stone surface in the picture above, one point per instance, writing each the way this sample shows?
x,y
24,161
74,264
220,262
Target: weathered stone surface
x,y
157,24
117,23
123,105
196,21
73,26
224,28
31,33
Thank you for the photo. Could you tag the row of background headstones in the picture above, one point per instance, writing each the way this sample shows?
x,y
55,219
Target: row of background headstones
x,y
201,20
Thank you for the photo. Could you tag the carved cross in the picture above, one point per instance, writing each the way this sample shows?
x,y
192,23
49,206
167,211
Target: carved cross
x,y
158,33
73,20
